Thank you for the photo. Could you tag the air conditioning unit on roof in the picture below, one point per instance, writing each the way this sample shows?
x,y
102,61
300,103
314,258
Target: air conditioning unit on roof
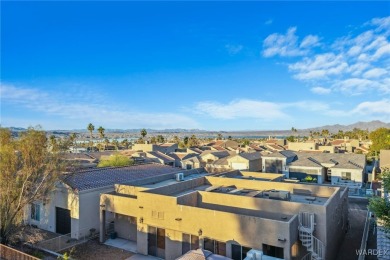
x,y
179,176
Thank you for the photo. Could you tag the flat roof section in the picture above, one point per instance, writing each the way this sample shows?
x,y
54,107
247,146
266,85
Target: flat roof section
x,y
172,181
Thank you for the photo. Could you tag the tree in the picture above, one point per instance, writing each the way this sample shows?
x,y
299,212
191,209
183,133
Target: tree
x,y
380,139
185,140
90,128
53,143
245,142
381,206
192,141
29,172
176,139
160,139
219,136
290,138
116,144
143,133
294,130
101,132
325,133
115,160
72,139
125,143
153,140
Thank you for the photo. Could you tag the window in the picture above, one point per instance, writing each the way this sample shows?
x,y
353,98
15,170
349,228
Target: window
x,y
189,166
215,246
35,212
190,242
346,176
239,252
273,251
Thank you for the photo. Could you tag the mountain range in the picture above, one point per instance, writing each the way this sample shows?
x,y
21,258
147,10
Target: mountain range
x,y
370,126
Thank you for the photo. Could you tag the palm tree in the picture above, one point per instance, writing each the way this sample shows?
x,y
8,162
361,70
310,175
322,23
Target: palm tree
x,y
90,128
143,133
294,131
325,133
101,132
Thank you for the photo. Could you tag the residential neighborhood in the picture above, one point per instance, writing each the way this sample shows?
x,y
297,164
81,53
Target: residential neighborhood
x,y
195,130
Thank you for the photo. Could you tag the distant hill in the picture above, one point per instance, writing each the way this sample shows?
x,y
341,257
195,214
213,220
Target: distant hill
x,y
332,129
370,126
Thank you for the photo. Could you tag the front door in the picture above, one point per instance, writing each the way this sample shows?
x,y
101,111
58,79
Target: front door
x,y
156,242
62,221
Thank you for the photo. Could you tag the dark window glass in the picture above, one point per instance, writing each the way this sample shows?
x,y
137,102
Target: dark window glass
x,y
236,252
220,248
161,238
194,242
209,245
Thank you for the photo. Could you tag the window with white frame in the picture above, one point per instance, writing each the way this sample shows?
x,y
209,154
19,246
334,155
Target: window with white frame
x,y
35,211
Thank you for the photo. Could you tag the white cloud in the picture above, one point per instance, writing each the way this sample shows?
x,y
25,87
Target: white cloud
x,y
381,107
243,108
310,41
350,64
282,44
320,90
233,49
90,110
374,73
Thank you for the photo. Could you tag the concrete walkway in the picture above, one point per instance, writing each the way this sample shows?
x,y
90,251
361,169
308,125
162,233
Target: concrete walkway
x,y
124,244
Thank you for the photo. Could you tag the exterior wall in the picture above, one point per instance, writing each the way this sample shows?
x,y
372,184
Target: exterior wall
x,y
337,219
238,163
143,147
315,172
126,227
327,148
280,164
384,158
253,165
356,175
84,210
62,197
89,210
247,221
209,156
299,146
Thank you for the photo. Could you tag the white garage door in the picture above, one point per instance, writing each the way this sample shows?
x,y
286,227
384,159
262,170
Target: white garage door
x,y
239,166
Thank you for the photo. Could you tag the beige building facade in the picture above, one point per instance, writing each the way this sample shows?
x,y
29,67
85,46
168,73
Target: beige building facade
x,y
228,215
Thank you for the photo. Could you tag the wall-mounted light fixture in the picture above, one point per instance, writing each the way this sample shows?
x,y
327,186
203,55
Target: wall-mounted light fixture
x,y
102,206
178,219
200,232
141,207
141,220
281,239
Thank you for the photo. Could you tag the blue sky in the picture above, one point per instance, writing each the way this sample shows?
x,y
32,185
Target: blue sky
x,y
206,65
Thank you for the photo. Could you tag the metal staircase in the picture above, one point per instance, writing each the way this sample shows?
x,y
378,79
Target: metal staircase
x,y
313,244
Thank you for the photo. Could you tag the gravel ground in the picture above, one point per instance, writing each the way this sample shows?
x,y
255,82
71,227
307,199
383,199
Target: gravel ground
x,y
96,251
